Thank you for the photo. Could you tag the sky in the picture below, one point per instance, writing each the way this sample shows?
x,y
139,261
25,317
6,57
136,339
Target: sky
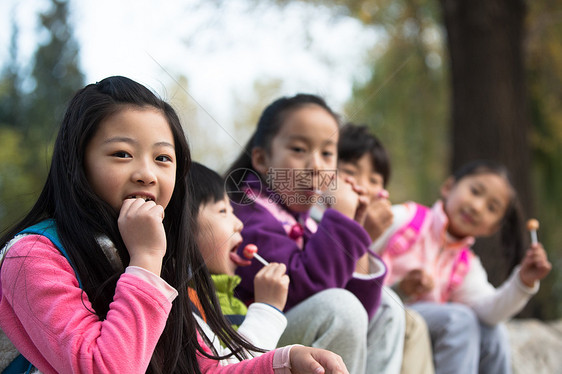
x,y
221,49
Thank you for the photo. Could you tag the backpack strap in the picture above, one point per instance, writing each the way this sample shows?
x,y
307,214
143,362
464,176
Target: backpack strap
x,y
48,229
18,366
407,235
460,269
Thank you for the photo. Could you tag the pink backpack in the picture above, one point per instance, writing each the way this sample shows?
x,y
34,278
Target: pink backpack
x,y
403,239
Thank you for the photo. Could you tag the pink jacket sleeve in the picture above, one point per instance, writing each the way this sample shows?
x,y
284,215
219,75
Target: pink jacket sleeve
x,y
49,319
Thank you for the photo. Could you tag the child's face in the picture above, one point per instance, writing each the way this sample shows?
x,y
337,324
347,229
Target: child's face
x,y
132,154
305,146
364,173
219,237
476,204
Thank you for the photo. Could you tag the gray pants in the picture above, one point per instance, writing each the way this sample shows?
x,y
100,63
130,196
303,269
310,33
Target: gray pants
x,y
461,343
335,320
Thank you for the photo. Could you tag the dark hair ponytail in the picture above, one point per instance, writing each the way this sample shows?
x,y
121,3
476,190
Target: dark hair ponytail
x,y
511,231
511,235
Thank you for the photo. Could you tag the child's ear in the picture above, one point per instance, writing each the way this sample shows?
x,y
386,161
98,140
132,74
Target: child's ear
x,y
446,187
259,160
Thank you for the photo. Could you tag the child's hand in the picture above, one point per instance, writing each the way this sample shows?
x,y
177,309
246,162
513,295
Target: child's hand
x,y
535,265
362,200
347,200
271,285
307,360
140,225
416,283
379,217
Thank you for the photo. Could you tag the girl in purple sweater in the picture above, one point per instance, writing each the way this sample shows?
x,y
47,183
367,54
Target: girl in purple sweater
x,y
288,166
89,287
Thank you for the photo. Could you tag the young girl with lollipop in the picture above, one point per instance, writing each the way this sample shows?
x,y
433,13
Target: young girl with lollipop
x,y
427,251
218,238
94,278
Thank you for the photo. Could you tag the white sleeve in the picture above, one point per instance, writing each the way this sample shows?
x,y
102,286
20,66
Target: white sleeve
x,y
492,305
263,326
401,215
221,351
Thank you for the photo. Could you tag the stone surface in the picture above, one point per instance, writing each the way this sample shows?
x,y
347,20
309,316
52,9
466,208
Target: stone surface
x,y
536,346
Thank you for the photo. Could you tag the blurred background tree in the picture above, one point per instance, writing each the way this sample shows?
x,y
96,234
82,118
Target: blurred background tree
x,y
543,67
56,74
32,106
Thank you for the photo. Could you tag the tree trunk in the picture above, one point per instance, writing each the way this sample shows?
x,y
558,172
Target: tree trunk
x,y
490,115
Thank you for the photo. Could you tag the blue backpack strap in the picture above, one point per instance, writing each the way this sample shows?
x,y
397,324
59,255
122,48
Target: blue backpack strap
x,y
18,366
235,319
48,229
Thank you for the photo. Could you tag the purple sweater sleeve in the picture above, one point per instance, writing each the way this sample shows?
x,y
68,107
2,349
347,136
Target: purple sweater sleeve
x,y
327,261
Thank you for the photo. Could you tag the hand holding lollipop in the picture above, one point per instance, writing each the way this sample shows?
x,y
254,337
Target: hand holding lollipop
x,y
535,265
250,251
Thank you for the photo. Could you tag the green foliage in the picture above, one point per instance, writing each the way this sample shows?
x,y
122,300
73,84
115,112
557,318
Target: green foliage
x,y
19,188
11,103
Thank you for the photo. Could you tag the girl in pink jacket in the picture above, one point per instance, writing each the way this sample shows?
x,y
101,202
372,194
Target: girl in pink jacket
x,y
94,278
430,261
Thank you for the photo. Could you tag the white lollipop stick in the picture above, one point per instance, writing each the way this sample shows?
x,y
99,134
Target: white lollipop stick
x,y
251,251
261,259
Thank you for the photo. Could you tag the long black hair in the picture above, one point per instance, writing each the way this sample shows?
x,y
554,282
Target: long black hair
x,y
81,216
270,123
511,231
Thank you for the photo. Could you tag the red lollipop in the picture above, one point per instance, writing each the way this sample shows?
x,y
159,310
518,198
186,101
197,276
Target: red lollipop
x,y
251,251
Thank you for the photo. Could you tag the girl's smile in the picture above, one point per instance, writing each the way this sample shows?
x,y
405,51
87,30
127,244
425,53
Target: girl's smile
x,y
467,218
132,156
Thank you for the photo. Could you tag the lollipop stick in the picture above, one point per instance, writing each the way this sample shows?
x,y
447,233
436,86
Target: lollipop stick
x,y
261,259
534,239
